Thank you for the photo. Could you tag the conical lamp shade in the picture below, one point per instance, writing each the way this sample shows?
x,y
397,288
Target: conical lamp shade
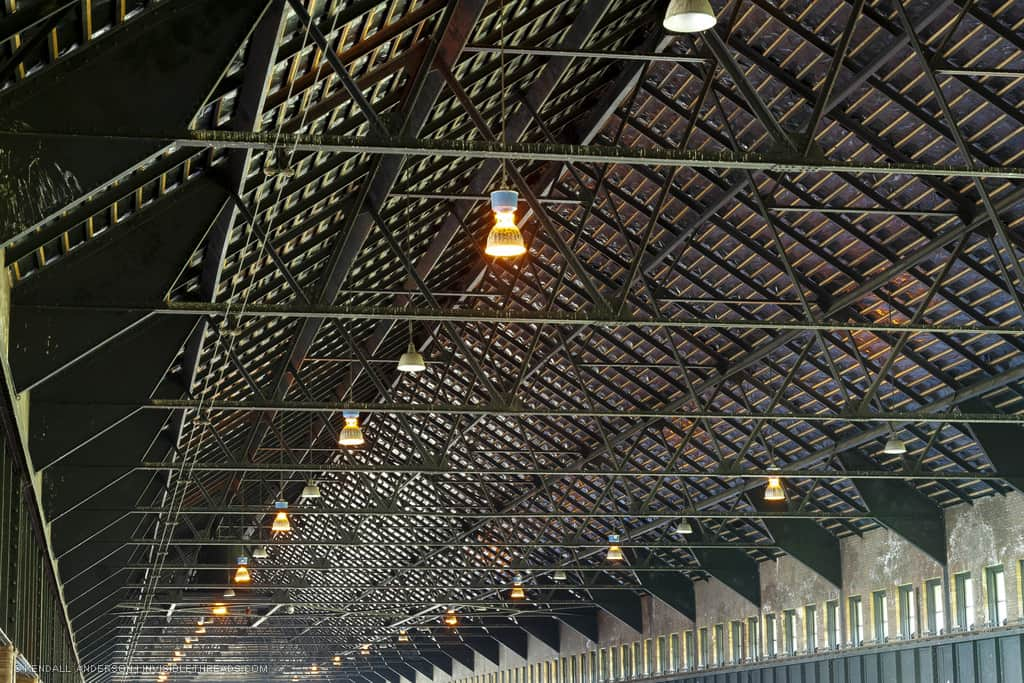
x,y
689,16
773,491
411,360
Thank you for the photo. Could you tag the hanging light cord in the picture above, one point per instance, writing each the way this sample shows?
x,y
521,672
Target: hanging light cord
x,y
501,73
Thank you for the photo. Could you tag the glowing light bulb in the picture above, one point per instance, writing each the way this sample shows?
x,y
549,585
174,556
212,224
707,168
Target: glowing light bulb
x,y
351,433
242,571
505,240
517,592
281,522
773,491
614,550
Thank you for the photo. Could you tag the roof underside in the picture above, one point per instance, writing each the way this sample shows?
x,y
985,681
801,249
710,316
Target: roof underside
x,y
443,508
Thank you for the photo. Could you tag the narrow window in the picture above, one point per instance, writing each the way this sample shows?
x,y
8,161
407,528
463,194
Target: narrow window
x,y
719,644
995,594
832,623
964,600
690,650
771,636
856,621
811,627
753,640
880,616
736,638
789,631
908,611
933,606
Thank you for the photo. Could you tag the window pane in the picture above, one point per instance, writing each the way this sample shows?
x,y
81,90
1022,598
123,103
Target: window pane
x,y
811,628
832,623
908,611
995,594
880,616
856,621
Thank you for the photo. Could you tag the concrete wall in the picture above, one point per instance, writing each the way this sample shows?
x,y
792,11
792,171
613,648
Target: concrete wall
x,y
988,532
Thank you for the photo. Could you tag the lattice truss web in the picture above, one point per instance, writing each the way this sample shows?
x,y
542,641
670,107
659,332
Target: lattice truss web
x,y
528,451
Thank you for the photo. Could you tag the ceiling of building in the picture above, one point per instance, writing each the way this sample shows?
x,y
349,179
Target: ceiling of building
x,y
779,243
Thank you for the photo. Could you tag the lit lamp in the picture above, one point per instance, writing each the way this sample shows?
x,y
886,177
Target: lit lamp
x,y
200,630
505,239
451,619
364,649
351,433
260,553
242,571
559,575
403,636
689,16
614,550
774,491
684,528
219,609
281,522
229,593
517,589
337,660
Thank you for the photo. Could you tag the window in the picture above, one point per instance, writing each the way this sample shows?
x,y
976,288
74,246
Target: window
x,y
704,647
660,655
995,594
964,595
604,665
753,640
908,611
789,631
736,640
880,616
675,660
811,628
719,644
594,666
856,617
771,637
832,624
689,650
933,606
612,664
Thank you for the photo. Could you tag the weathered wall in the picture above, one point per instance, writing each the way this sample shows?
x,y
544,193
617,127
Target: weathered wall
x,y
989,532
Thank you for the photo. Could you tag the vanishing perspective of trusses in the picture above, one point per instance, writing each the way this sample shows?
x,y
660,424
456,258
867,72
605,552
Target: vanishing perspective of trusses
x,y
764,249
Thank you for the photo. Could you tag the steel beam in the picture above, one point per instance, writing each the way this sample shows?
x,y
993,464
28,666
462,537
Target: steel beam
x,y
481,149
515,410
525,317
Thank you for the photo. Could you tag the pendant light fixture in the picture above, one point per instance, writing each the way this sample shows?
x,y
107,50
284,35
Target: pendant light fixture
x,y
310,490
689,16
337,660
229,593
774,492
281,522
451,619
219,609
260,553
517,592
200,630
614,549
895,446
684,528
559,575
505,240
242,570
411,360
364,649
403,636
351,434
